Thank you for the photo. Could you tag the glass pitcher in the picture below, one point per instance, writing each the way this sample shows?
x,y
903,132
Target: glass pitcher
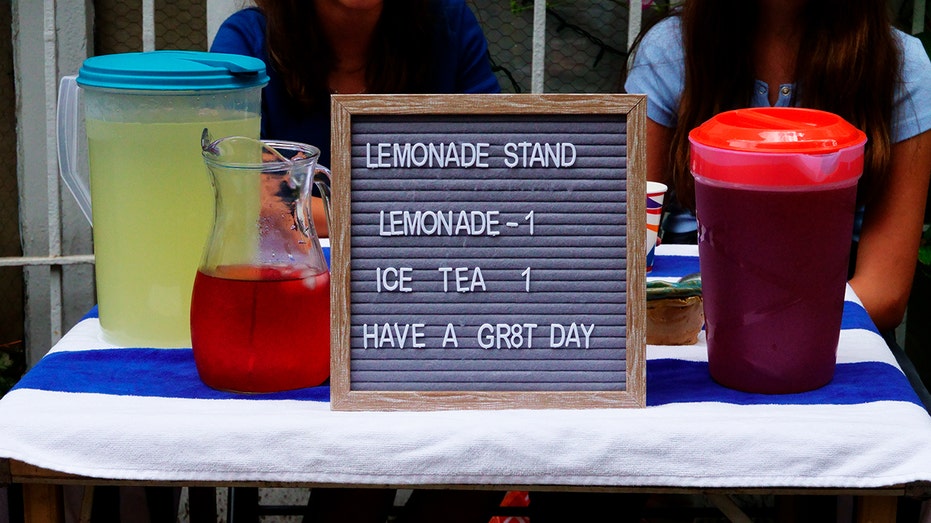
x,y
260,307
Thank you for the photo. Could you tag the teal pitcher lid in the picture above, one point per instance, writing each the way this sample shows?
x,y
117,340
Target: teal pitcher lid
x,y
172,71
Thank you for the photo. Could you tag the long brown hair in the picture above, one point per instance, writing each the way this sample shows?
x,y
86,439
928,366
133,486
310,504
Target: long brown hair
x,y
399,57
848,64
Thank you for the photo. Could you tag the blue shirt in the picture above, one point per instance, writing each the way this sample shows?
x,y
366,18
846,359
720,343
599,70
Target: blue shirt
x,y
461,66
658,70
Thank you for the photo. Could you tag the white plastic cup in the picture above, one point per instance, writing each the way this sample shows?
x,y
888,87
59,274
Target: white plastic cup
x,y
656,192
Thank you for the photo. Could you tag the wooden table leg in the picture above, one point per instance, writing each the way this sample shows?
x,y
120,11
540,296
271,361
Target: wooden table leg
x,y
43,503
876,509
726,505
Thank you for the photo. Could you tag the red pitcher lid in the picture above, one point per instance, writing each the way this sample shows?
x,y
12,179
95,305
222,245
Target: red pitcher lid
x,y
778,129
777,146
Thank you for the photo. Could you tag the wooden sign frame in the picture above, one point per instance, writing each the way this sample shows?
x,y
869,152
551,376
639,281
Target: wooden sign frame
x,y
628,109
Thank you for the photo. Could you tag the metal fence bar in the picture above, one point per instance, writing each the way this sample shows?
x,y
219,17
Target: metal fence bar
x,y
537,69
918,17
32,261
50,41
148,25
634,16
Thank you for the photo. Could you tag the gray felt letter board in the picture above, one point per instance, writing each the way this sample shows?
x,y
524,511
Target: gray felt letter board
x,y
480,248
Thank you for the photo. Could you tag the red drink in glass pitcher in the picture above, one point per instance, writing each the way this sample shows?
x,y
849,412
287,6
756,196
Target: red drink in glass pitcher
x,y
261,329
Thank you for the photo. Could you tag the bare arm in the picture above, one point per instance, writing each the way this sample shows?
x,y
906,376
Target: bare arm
x,y
891,232
659,141
319,215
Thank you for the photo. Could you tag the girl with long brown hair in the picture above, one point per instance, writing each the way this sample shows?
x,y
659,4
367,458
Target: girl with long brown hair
x,y
841,56
314,48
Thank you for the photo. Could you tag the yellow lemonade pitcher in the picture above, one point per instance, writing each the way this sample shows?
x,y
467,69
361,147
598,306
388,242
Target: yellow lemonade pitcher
x,y
149,200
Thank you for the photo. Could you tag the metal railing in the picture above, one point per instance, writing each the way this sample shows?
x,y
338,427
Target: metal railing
x,y
51,40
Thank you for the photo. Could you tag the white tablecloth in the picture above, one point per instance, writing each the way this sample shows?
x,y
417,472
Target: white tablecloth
x,y
93,409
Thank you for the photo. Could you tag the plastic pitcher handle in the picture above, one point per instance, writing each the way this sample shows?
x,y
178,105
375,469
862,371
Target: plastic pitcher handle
x,y
74,175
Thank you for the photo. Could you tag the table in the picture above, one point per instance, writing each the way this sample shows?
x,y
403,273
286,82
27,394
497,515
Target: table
x,y
90,412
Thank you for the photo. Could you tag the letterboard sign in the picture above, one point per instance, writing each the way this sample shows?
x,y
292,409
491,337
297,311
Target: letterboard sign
x,y
480,251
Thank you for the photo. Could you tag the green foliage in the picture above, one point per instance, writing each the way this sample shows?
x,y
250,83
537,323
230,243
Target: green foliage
x,y
518,6
12,364
689,285
8,373
924,250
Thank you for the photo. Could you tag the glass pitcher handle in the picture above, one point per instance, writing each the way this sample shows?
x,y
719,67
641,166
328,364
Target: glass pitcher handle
x,y
322,177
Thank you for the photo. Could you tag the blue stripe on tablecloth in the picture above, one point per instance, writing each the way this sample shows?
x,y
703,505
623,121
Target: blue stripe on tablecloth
x,y
93,313
167,373
171,373
673,266
856,317
678,381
